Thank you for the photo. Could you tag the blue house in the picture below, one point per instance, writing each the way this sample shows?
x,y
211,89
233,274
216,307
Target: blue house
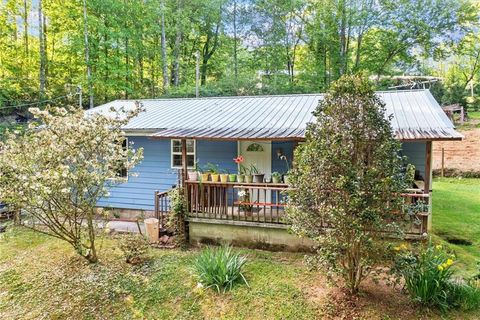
x,y
264,130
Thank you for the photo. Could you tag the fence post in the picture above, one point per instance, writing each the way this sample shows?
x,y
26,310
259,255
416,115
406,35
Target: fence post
x,y
443,161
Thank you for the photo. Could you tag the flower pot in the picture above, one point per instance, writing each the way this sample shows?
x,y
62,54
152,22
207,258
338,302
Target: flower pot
x,y
285,179
214,177
258,178
205,176
192,176
240,178
232,177
276,179
223,178
248,178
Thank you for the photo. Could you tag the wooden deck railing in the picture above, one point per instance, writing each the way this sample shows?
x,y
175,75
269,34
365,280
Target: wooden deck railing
x,y
255,202
265,203
162,206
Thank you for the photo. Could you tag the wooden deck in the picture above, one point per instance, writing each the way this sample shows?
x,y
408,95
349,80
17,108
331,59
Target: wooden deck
x,y
264,204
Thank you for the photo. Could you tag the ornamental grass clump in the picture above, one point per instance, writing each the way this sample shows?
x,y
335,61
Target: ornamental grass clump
x,y
220,268
428,279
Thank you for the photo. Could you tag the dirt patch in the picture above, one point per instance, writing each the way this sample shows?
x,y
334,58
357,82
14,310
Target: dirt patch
x,y
375,301
462,155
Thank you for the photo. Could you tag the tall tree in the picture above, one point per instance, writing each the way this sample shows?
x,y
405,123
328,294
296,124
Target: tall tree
x,y
87,55
42,50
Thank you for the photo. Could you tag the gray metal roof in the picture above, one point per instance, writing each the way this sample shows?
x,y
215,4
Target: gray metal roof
x,y
416,116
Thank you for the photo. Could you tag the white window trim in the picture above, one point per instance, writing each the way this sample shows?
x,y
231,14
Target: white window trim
x,y
194,153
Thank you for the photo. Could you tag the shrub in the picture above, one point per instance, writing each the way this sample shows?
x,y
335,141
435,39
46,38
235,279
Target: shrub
x,y
428,279
220,268
134,247
346,177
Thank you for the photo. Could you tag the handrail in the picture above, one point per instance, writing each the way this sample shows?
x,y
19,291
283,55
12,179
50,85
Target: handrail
x,y
162,205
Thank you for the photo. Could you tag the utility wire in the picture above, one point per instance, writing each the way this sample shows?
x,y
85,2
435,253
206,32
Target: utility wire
x,y
38,102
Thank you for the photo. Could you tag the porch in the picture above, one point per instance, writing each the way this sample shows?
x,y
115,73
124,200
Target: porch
x,y
262,206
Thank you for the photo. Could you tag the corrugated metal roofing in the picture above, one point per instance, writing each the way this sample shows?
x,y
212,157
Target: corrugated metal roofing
x,y
416,116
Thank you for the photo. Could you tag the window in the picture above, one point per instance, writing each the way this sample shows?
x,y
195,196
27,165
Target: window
x,y
122,171
255,147
177,153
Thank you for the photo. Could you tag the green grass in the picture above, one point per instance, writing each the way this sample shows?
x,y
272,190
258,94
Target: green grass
x,y
474,115
456,214
34,266
41,277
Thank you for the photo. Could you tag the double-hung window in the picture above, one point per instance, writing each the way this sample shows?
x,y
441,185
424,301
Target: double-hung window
x,y
177,153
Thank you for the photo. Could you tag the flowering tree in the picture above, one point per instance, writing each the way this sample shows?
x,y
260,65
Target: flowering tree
x,y
60,166
346,180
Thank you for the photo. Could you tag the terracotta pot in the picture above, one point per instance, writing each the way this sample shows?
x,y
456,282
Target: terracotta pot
x,y
232,177
223,178
240,178
258,178
248,178
192,176
205,176
214,177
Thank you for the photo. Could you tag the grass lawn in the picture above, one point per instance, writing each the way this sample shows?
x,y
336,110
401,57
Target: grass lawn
x,y
456,215
41,277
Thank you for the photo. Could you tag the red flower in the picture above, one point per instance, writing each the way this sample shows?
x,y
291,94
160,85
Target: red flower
x,y
238,159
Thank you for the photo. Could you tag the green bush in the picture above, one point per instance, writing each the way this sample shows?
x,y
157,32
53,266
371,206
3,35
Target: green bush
x,y
220,268
428,279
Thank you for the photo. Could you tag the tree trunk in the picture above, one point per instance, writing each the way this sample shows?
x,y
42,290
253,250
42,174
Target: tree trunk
x,y
235,60
92,253
87,57
41,40
164,51
25,26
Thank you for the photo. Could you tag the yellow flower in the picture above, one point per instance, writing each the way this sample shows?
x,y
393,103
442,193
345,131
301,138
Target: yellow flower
x,y
438,247
440,267
403,246
449,262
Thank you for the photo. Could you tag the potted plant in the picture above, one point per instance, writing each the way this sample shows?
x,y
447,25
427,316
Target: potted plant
x,y
285,176
257,177
242,171
224,176
276,177
213,170
193,174
232,177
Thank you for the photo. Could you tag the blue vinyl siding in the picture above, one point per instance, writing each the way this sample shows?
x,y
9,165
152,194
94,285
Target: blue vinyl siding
x,y
415,153
217,152
153,173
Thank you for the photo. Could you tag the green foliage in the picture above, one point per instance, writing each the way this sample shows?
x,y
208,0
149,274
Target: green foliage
x,y
178,212
133,246
345,181
211,168
428,279
220,268
246,47
427,274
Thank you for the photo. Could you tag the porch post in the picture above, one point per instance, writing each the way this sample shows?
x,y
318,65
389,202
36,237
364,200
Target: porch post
x,y
428,181
184,162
